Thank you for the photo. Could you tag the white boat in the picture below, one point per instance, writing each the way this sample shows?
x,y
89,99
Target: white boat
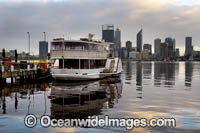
x,y
82,59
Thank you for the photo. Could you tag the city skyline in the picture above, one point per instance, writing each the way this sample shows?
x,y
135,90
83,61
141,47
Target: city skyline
x,y
60,17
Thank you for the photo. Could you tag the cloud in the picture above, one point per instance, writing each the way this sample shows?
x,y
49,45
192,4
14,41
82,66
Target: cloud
x,y
76,18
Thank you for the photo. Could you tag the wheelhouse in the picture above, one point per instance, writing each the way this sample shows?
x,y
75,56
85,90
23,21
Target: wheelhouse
x,y
82,54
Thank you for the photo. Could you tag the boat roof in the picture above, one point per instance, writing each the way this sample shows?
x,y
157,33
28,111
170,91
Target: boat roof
x,y
82,40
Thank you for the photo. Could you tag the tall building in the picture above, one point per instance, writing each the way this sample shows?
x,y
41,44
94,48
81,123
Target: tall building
x,y
117,38
188,46
139,41
43,49
128,45
148,47
171,46
177,52
169,41
108,33
157,47
164,50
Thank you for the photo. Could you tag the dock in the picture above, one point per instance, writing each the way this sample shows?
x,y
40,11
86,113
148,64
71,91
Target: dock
x,y
23,71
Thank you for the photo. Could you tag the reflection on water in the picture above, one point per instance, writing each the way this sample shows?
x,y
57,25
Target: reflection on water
x,y
144,90
188,74
164,74
72,100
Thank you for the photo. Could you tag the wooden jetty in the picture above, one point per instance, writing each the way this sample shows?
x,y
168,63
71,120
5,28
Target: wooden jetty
x,y
23,71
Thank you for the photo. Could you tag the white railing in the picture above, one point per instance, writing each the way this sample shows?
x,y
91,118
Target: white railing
x,y
79,54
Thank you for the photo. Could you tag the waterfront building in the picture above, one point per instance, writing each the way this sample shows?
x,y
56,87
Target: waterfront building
x,y
148,46
157,47
139,56
177,53
117,43
108,33
169,41
145,55
164,51
133,49
117,38
133,55
43,49
124,52
188,46
171,46
139,41
128,47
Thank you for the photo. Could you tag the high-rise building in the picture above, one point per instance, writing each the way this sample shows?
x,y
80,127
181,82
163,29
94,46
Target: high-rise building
x,y
108,33
157,47
148,47
117,38
128,45
171,46
169,41
43,49
188,46
164,50
139,41
177,52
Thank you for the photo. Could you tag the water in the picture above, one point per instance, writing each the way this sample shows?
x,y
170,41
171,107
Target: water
x,y
145,90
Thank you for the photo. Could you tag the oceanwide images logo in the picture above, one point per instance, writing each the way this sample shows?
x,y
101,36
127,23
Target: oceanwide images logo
x,y
129,123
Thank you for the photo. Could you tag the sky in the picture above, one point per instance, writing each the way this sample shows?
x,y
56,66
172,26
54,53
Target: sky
x,y
77,18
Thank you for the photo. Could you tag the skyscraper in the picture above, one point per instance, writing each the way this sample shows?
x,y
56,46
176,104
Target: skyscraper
x,y
128,45
43,49
169,41
177,52
108,33
118,38
188,46
147,46
164,50
139,41
157,47
171,46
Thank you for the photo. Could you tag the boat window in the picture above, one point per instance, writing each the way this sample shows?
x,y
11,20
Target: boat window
x,y
56,46
69,64
97,64
93,47
84,64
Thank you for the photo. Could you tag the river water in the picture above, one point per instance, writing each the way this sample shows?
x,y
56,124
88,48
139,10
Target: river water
x,y
144,90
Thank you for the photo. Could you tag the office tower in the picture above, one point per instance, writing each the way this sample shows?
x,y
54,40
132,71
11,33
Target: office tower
x,y
171,46
157,47
169,41
177,52
43,49
128,45
108,33
139,41
188,46
118,38
148,47
164,50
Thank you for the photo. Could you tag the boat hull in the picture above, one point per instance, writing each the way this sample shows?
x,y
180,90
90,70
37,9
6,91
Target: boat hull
x,y
113,68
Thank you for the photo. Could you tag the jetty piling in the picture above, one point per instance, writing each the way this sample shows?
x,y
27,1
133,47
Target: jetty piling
x,y
22,71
